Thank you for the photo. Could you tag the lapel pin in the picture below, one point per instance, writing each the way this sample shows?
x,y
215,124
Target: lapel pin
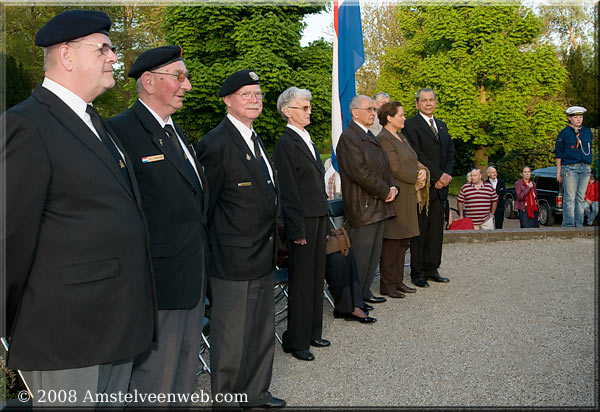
x,y
160,142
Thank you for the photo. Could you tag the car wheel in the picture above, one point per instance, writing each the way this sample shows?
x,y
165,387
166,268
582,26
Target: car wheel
x,y
509,208
546,216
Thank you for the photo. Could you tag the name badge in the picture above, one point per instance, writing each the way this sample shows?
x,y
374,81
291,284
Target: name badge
x,y
155,158
245,184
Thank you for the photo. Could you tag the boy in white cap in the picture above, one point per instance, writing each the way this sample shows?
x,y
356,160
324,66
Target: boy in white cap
x,y
573,151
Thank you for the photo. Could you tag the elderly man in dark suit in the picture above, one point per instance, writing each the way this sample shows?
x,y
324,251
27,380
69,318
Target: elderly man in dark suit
x,y
304,205
368,189
174,199
500,186
242,231
79,282
431,141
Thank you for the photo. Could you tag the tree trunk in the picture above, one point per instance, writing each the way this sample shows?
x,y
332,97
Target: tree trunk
x,y
481,160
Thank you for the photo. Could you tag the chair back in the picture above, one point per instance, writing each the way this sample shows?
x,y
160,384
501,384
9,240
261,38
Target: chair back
x,y
336,212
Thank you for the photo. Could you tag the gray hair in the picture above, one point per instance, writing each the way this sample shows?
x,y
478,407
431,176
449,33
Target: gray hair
x,y
424,89
487,171
288,96
355,102
380,96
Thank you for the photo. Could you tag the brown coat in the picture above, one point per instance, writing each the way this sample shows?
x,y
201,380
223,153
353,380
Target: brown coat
x,y
403,164
366,177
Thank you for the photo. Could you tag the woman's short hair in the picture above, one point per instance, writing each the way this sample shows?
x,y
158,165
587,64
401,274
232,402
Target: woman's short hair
x,y
388,109
288,96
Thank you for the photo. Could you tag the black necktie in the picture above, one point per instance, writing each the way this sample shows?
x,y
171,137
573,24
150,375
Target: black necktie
x,y
261,161
371,135
108,142
182,158
434,130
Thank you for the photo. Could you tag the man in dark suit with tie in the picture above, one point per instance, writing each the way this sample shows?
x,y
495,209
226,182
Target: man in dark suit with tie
x,y
174,199
431,141
242,231
304,204
79,283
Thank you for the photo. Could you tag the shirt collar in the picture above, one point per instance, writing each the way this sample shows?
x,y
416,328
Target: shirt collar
x,y
303,133
75,103
242,128
157,117
361,126
427,118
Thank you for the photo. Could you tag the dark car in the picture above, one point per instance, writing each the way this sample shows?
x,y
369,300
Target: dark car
x,y
549,192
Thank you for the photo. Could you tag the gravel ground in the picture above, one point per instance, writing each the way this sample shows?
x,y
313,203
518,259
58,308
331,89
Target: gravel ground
x,y
500,333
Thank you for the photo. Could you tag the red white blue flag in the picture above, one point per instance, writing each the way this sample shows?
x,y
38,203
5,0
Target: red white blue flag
x,y
348,56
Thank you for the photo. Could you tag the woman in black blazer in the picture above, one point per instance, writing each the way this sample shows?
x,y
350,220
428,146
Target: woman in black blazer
x,y
304,207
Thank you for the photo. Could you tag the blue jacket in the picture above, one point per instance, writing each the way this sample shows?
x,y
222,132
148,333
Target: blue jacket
x,y
566,146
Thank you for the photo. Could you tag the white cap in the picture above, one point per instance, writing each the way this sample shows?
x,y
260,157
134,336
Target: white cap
x,y
575,110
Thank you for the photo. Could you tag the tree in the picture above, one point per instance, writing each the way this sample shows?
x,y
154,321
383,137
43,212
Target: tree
x,y
217,41
19,79
497,88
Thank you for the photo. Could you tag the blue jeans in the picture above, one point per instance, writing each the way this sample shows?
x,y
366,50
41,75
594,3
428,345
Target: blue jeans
x,y
574,180
591,211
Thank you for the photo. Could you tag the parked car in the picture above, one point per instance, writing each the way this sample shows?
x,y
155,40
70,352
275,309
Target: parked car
x,y
550,196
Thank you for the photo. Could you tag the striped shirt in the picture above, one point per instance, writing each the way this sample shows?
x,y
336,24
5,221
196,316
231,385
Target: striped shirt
x,y
477,203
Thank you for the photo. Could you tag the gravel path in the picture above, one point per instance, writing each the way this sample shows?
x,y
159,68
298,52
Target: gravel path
x,y
516,326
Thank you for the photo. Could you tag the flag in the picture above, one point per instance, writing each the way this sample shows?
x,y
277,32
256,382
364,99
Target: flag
x,y
348,56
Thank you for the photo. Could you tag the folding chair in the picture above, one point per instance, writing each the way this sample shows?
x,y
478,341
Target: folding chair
x,y
205,347
281,298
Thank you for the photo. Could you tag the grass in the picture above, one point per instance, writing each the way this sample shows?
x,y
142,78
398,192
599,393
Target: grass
x,y
456,184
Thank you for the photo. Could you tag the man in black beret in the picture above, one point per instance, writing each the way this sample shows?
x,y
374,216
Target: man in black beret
x,y
79,282
242,231
174,198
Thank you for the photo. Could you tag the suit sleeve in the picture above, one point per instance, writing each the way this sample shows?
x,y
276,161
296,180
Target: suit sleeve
x,y
284,156
414,139
354,164
28,174
212,160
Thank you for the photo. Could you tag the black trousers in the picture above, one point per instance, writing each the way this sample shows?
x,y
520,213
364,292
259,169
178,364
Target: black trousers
x,y
306,265
426,249
342,278
499,217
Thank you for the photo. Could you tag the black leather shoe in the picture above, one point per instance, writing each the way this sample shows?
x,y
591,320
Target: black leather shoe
x,y
303,355
376,299
436,277
320,343
338,315
366,307
366,319
273,403
420,282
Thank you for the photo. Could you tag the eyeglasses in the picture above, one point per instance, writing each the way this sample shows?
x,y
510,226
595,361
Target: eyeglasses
x,y
426,100
370,108
305,108
103,47
181,76
246,95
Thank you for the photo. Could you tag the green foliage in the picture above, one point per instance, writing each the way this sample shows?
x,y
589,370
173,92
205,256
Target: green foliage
x,y
497,88
18,78
218,41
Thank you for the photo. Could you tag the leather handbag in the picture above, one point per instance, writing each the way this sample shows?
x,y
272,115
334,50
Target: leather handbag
x,y
338,241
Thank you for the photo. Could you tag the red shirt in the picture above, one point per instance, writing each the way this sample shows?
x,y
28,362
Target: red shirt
x,y
477,202
592,191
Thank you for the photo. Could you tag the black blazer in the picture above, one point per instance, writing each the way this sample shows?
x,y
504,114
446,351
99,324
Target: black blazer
x,y
79,281
501,191
438,156
302,180
172,205
242,207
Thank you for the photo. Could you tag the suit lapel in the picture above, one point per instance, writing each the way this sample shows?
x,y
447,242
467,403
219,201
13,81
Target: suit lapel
x,y
248,159
81,131
427,128
304,148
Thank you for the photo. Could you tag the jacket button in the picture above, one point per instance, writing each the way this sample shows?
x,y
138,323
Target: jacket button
x,y
270,238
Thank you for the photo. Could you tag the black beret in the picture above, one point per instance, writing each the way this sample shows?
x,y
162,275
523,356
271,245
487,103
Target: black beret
x,y
153,59
71,25
237,80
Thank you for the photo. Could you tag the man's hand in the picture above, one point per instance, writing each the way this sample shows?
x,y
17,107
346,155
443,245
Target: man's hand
x,y
392,194
300,241
445,178
438,185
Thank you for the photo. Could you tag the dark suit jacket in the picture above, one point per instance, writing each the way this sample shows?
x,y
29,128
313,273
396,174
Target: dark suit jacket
x,y
172,205
437,156
242,208
79,281
500,191
366,177
301,177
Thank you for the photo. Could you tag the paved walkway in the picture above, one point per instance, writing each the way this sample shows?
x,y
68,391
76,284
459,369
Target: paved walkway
x,y
515,326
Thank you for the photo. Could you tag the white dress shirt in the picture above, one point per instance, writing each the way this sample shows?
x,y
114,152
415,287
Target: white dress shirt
x,y
247,136
305,138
